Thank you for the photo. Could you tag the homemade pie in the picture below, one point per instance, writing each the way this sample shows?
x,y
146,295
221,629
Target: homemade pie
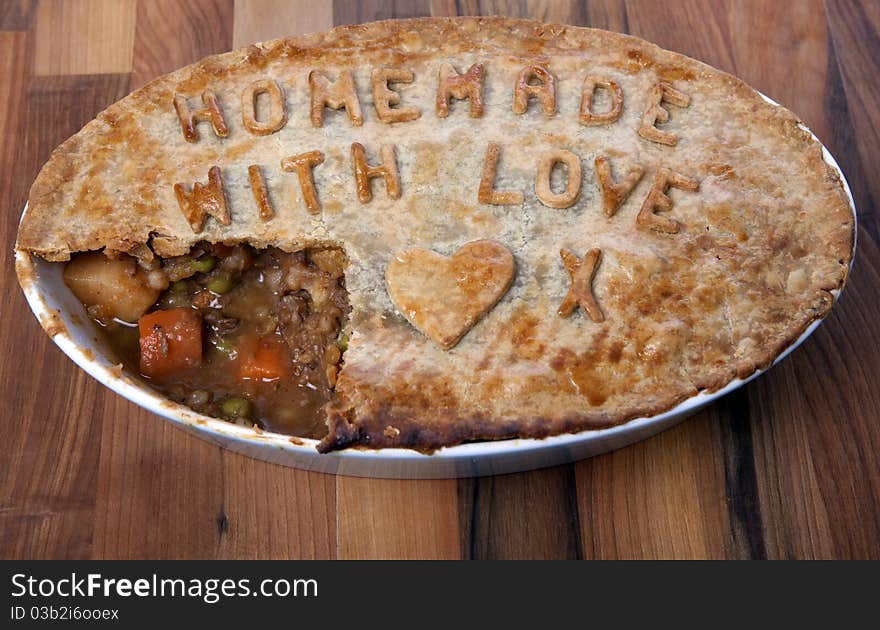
x,y
418,233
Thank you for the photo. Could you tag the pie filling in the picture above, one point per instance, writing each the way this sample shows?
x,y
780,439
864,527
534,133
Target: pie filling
x,y
250,336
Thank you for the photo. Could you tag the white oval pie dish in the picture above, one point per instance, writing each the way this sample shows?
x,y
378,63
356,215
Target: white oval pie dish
x,y
64,319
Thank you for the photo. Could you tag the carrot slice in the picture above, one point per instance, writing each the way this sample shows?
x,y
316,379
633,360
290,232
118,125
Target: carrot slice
x,y
170,341
262,359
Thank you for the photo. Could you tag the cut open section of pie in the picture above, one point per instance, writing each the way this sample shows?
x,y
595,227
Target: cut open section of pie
x,y
424,232
254,337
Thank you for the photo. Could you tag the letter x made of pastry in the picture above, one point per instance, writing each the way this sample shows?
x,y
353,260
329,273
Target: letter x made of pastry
x,y
581,271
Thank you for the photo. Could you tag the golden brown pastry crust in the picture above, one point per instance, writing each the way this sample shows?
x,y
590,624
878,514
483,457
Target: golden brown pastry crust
x,y
760,245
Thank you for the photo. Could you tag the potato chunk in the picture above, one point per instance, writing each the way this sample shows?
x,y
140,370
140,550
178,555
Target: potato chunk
x,y
118,286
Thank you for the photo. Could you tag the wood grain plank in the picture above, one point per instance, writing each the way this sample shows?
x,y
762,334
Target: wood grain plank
x,y
276,512
666,497
745,523
159,490
608,14
358,12
843,145
661,498
84,36
791,36
17,15
816,434
530,515
558,11
170,34
51,452
378,518
767,40
787,467
48,494
261,20
696,28
16,50
391,519
253,509
271,511
855,32
443,8
793,505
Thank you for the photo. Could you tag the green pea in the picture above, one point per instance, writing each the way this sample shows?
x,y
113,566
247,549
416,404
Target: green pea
x,y
204,264
181,286
220,284
225,346
236,408
343,342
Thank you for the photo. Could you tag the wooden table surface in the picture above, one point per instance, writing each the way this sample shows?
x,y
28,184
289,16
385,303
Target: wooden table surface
x,y
787,467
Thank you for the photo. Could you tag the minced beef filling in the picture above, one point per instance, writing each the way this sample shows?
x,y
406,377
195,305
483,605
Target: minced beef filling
x,y
251,336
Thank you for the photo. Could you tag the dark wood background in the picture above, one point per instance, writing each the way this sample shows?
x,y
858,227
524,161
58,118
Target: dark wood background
x,y
788,467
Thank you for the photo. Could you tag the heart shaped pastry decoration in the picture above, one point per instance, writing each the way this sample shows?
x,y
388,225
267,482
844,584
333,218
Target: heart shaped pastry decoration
x,y
444,296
